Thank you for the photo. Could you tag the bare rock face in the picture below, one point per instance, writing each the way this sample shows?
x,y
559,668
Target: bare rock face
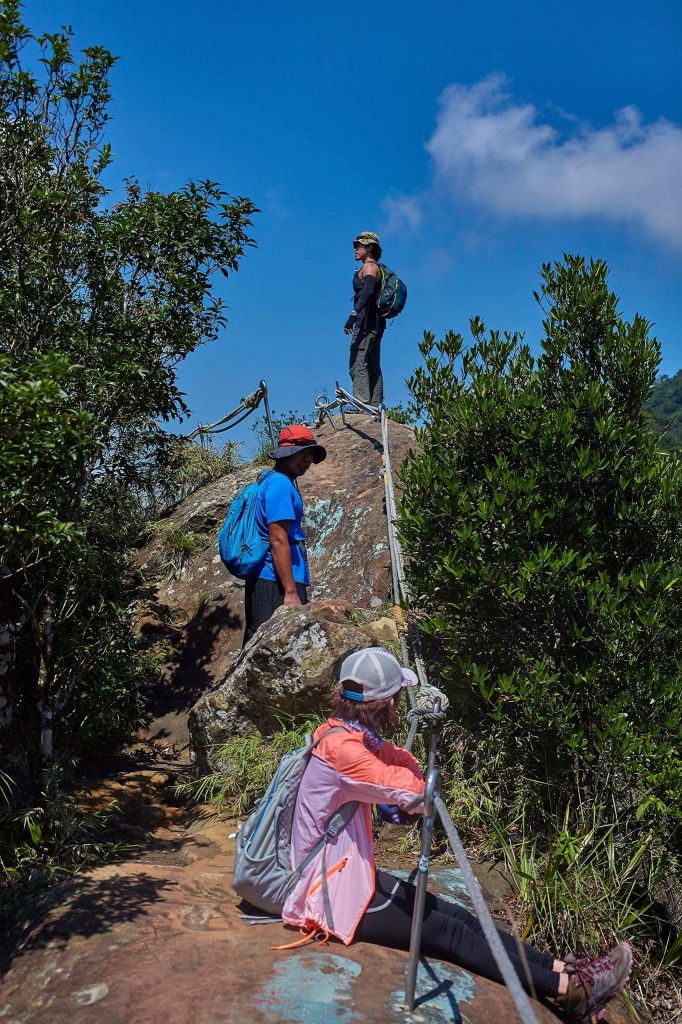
x,y
290,667
197,608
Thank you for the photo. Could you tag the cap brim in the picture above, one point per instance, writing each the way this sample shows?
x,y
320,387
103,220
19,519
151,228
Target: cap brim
x,y
283,452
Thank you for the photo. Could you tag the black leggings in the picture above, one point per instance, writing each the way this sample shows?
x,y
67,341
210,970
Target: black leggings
x,y
450,933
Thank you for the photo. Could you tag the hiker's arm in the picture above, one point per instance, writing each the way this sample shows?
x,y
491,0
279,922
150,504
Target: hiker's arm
x,y
365,777
278,535
399,756
369,283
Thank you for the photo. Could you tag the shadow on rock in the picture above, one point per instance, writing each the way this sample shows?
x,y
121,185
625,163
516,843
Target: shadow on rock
x,y
85,907
443,988
189,674
375,442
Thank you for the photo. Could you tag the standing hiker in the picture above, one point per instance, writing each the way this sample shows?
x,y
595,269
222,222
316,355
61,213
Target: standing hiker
x,y
365,323
355,901
285,575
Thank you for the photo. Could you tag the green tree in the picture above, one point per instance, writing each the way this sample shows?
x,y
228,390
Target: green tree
x,y
542,524
664,409
98,306
401,413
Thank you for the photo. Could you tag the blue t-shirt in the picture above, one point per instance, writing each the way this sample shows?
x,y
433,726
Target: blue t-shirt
x,y
278,501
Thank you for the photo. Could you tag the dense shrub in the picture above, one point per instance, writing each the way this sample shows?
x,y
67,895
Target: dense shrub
x,y
542,524
98,306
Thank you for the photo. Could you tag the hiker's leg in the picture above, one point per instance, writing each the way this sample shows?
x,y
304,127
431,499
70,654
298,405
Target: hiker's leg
x,y
510,942
302,592
376,380
261,598
388,922
358,366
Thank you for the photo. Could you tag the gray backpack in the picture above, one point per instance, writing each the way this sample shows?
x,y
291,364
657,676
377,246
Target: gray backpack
x,y
263,873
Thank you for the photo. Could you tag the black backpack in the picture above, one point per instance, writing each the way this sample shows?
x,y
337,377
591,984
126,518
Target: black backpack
x,y
392,294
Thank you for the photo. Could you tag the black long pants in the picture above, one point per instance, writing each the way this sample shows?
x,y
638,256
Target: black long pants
x,y
261,598
450,933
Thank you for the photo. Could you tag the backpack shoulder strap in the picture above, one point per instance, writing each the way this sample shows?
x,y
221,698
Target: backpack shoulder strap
x,y
336,823
329,731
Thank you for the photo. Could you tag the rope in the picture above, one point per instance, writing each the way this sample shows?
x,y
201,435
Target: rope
x,y
247,406
511,979
428,705
423,710
428,713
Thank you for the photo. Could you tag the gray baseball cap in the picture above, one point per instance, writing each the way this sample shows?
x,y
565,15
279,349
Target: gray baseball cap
x,y
376,673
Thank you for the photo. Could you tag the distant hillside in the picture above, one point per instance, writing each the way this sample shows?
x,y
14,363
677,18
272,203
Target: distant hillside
x,y
665,410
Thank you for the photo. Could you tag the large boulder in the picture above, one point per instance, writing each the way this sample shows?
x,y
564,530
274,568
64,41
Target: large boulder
x,y
196,609
289,668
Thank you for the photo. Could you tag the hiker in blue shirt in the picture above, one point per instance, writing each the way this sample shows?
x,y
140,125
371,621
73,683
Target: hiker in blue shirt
x,y
285,575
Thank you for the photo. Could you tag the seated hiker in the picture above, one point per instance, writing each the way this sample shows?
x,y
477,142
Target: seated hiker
x,y
285,575
361,903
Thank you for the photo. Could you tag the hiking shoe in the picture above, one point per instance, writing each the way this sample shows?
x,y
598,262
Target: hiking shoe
x,y
616,956
594,983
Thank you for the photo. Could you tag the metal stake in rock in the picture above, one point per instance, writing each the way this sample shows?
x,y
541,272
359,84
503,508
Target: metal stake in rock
x,y
431,792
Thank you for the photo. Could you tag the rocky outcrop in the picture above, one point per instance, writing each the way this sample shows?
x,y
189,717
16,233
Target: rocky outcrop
x,y
196,608
289,668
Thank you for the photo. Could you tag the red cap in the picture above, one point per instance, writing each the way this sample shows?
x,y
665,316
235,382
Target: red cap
x,y
294,439
295,434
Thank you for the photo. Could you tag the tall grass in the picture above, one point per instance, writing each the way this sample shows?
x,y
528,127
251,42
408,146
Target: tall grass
x,y
246,765
582,889
586,878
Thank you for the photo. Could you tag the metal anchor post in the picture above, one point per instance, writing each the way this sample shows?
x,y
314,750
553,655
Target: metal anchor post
x,y
431,792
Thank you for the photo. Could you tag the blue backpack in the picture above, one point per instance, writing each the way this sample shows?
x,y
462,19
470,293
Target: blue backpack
x,y
392,294
241,546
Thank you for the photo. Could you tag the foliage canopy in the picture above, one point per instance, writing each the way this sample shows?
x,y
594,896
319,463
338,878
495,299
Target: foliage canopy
x,y
99,303
542,524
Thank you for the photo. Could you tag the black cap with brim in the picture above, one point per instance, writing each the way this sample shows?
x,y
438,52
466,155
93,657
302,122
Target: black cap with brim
x,y
284,451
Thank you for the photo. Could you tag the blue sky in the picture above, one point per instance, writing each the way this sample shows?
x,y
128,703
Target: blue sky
x,y
479,142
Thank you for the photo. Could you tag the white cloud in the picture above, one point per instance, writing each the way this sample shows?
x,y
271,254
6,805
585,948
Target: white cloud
x,y
500,155
402,213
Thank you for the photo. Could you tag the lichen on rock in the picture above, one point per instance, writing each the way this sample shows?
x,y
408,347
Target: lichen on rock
x,y
289,668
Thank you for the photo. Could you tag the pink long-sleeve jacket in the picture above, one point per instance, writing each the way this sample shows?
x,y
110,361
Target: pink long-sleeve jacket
x,y
342,768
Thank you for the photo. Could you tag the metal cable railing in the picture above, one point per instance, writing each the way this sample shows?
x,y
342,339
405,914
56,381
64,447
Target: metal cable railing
x,y
246,407
427,707
427,711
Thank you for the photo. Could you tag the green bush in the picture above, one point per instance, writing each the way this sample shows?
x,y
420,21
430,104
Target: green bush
x,y
187,466
246,765
401,413
542,525
99,304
